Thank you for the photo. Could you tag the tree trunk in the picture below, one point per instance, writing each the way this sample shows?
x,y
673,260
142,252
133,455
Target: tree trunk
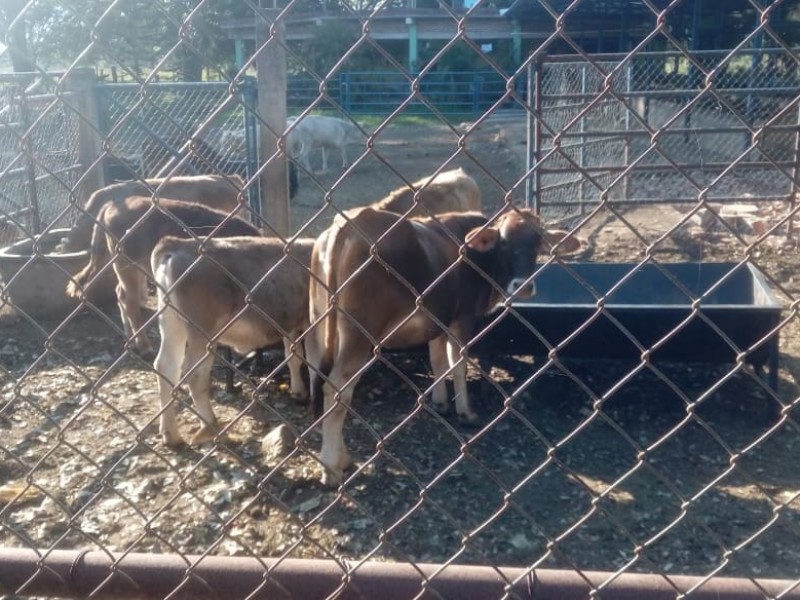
x,y
191,65
21,59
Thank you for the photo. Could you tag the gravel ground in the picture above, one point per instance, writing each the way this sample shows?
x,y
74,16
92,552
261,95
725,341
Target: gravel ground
x,y
548,479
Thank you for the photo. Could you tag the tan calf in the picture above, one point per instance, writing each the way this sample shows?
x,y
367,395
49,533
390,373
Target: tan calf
x,y
391,283
450,191
202,303
135,225
215,191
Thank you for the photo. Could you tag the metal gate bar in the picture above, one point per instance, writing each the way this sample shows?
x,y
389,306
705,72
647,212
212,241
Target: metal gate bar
x,y
68,573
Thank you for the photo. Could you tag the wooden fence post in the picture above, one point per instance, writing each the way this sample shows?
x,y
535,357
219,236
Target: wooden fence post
x,y
271,67
90,137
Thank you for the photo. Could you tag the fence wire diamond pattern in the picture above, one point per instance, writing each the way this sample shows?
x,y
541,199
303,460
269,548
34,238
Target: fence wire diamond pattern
x,y
634,424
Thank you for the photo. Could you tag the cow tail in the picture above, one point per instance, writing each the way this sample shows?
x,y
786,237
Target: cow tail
x,y
97,254
329,342
161,268
80,236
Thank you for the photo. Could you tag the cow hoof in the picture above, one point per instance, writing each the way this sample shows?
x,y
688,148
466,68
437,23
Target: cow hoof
x,y
172,440
301,398
469,418
441,407
146,354
331,479
205,434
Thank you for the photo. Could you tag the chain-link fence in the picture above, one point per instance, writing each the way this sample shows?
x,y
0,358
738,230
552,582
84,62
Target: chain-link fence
x,y
405,417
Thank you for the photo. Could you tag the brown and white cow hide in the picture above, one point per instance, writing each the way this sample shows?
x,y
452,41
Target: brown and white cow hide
x,y
241,292
368,271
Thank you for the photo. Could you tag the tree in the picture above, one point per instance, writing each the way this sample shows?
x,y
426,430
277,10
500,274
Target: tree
x,y
136,34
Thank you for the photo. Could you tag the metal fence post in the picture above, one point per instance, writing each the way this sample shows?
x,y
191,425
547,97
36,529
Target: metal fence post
x,y
627,151
476,93
533,135
30,167
249,97
344,92
581,150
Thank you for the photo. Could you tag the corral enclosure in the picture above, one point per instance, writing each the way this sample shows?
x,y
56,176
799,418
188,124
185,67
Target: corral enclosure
x,y
667,166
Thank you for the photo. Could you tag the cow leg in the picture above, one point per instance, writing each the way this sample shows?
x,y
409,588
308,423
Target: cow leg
x,y
343,152
343,378
295,359
129,290
198,364
437,349
459,365
168,364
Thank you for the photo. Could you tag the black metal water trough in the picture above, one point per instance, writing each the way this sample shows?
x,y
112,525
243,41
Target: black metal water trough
x,y
647,307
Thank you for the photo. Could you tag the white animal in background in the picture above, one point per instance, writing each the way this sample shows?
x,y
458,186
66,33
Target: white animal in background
x,y
233,141
318,131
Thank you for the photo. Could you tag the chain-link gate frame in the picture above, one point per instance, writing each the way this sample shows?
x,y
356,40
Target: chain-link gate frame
x,y
83,459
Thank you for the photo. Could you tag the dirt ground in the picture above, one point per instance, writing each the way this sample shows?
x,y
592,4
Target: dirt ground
x,y
551,478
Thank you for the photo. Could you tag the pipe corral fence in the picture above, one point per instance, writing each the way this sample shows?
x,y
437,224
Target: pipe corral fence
x,y
636,432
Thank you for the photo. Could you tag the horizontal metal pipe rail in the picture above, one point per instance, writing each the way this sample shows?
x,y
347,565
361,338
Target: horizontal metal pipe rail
x,y
8,217
638,169
677,93
589,200
616,133
68,573
620,56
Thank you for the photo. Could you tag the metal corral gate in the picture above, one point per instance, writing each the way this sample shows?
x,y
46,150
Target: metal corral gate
x,y
142,140
601,473
32,117
607,110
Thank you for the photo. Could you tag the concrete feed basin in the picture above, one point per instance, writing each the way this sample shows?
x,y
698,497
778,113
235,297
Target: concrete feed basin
x,y
739,315
35,275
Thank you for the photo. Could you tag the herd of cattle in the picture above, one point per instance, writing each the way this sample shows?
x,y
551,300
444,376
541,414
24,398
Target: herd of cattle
x,y
388,275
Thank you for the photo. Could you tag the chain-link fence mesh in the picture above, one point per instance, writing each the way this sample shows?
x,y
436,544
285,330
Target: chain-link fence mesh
x,y
39,160
635,416
147,136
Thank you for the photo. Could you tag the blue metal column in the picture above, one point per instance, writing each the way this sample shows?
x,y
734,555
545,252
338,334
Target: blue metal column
x,y
413,57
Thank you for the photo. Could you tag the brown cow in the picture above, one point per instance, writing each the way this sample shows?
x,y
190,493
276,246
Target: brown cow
x,y
450,191
221,192
137,225
374,299
243,292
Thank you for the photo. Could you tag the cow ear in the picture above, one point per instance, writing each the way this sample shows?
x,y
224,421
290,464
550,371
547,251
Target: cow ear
x,y
482,239
554,236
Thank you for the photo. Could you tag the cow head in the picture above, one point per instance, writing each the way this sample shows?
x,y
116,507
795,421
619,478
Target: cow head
x,y
517,237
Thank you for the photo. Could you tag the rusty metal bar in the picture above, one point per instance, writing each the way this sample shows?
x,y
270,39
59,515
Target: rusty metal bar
x,y
67,573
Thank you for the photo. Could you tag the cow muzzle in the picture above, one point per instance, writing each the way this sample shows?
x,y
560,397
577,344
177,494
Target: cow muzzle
x,y
521,287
